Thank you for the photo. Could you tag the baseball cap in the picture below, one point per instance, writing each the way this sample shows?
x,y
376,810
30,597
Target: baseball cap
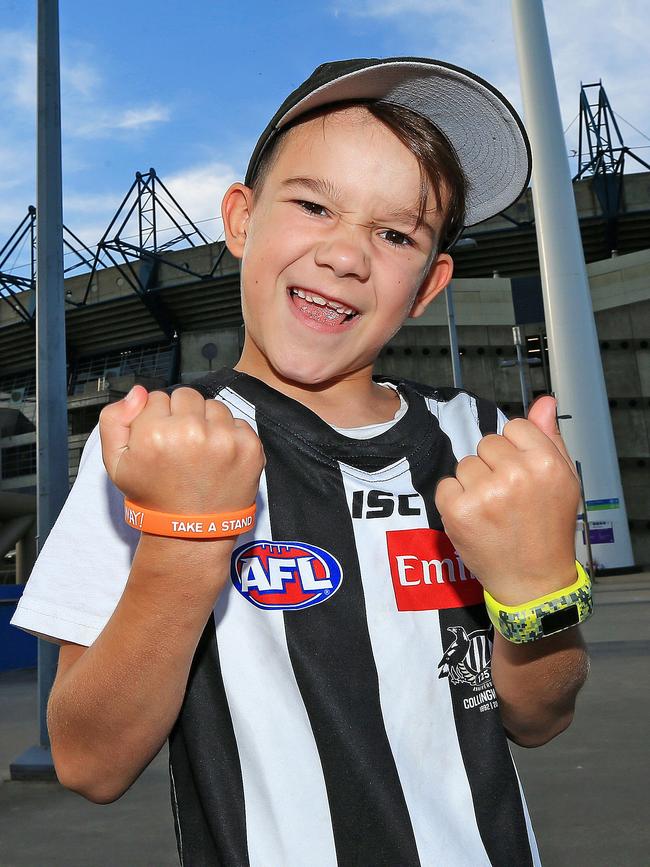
x,y
485,131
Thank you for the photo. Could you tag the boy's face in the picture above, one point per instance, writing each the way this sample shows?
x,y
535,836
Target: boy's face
x,y
333,226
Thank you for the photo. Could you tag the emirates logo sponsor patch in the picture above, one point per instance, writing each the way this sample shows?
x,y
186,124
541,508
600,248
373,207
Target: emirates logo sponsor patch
x,y
427,572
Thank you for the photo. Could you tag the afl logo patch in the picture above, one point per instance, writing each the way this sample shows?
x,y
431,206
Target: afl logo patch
x,y
284,576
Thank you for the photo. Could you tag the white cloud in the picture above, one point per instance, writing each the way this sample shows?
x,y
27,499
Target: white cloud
x,y
88,110
81,203
134,118
392,8
106,122
16,162
18,73
80,78
17,70
589,41
199,190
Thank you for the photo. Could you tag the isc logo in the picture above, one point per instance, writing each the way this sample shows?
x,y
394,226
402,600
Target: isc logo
x,y
382,504
284,575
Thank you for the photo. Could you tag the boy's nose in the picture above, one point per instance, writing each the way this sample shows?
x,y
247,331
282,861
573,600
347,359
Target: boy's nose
x,y
344,257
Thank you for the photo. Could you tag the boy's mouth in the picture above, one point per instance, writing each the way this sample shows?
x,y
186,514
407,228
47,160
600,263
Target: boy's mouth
x,y
320,309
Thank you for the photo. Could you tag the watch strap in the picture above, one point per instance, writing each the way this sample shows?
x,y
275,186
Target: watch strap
x,y
546,615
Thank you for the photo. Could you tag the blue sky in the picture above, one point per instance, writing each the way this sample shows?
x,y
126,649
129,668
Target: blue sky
x,y
187,87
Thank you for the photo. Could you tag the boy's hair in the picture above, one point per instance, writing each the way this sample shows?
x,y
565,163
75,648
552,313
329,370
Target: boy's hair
x,y
440,168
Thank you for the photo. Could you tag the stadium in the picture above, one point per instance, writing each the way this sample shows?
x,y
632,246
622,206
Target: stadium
x,y
156,302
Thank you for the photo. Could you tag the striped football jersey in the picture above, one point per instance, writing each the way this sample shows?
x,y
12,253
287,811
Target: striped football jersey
x,y
340,709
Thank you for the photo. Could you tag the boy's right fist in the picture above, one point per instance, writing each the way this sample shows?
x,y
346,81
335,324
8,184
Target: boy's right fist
x,y
180,453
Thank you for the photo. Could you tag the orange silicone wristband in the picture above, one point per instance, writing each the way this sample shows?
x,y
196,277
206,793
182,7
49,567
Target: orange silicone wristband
x,y
189,526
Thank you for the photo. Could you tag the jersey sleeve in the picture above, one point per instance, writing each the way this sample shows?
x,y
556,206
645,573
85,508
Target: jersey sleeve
x,y
81,571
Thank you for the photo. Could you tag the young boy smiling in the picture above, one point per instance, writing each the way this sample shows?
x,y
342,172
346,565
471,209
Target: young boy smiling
x,y
324,679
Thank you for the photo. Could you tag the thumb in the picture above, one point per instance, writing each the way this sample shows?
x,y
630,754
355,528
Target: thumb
x,y
115,425
543,414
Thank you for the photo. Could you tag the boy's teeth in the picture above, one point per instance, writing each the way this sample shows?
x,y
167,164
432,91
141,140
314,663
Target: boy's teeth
x,y
322,302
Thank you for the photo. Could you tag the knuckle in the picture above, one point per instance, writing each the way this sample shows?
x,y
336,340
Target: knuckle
x,y
487,443
152,437
255,456
251,441
218,407
515,425
223,444
515,474
466,462
191,433
499,493
548,465
160,396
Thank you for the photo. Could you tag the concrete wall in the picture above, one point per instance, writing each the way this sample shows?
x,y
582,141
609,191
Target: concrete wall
x,y
197,347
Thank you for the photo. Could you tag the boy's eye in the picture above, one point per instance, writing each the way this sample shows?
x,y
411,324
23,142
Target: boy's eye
x,y
313,208
397,239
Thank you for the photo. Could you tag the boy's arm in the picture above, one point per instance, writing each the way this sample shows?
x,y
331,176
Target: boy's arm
x,y
112,708
537,684
510,512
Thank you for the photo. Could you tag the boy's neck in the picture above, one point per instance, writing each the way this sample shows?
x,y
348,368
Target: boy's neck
x,y
352,400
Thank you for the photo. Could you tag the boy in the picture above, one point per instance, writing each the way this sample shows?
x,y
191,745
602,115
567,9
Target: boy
x,y
324,678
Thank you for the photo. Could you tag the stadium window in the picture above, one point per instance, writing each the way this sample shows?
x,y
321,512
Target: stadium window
x,y
19,461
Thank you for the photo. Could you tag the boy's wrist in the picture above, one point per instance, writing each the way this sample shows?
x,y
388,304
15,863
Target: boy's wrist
x,y
521,591
182,565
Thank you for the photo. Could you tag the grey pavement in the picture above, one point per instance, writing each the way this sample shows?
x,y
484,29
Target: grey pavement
x,y
587,790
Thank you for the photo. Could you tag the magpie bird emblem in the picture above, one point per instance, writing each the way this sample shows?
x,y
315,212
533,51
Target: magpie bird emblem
x,y
467,658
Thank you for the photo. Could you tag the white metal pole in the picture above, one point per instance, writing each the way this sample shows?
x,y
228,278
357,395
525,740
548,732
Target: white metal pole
x,y
576,368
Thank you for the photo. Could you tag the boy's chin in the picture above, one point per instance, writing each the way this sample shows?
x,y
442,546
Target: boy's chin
x,y
309,371
307,375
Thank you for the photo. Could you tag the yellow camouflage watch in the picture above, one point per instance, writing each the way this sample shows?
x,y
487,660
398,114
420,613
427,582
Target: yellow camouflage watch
x,y
544,616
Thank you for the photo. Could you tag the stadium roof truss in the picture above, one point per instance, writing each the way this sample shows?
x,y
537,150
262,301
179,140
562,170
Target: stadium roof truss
x,y
602,152
147,225
13,284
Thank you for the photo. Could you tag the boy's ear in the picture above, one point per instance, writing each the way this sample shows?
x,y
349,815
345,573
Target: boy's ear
x,y
236,209
436,280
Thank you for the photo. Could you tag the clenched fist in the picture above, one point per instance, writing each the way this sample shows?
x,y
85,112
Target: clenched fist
x,y
180,453
510,511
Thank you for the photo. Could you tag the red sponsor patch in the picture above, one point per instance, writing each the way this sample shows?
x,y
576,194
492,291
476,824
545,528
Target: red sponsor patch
x,y
427,572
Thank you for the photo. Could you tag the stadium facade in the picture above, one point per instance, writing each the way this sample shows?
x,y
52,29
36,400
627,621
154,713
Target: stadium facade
x,y
158,319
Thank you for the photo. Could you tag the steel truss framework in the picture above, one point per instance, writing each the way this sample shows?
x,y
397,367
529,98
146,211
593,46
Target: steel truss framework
x,y
147,225
602,153
12,285
150,215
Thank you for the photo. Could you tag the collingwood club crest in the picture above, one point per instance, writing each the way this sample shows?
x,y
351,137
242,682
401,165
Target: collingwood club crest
x,y
467,658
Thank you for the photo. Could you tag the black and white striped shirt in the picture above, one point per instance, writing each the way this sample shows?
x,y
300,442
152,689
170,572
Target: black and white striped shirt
x,y
339,709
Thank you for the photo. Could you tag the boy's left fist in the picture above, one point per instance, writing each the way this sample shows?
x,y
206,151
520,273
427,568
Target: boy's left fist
x,y
510,511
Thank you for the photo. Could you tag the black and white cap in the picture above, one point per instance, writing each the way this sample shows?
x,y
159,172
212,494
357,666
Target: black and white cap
x,y
478,121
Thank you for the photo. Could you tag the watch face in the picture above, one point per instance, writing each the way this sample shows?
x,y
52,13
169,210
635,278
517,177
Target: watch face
x,y
559,620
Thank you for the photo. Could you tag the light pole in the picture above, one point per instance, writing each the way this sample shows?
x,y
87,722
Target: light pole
x,y
51,394
576,368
